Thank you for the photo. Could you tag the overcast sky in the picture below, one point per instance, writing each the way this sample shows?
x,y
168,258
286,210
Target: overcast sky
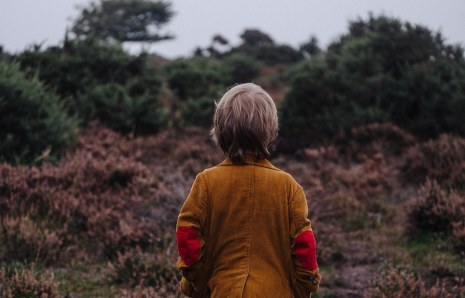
x,y
25,22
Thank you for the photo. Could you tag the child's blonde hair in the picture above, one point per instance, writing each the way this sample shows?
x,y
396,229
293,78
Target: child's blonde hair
x,y
245,120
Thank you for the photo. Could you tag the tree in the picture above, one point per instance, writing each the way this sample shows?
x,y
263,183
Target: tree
x,y
34,121
254,37
95,78
195,84
124,20
259,45
382,70
310,48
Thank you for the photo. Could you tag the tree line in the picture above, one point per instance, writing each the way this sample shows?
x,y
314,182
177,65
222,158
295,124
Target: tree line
x,y
382,70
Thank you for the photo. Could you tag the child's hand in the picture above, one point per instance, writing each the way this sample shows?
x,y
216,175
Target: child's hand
x,y
187,288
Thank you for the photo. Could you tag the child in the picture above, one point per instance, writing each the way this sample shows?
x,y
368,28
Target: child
x,y
243,230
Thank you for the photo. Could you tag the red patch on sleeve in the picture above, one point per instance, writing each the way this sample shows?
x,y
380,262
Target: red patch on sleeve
x,y
305,250
188,242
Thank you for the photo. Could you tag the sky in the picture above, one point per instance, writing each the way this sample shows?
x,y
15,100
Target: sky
x,y
27,22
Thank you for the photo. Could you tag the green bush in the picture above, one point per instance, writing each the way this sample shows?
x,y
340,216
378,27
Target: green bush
x,y
82,70
381,71
113,106
261,46
196,83
34,121
199,112
270,54
196,78
241,68
277,54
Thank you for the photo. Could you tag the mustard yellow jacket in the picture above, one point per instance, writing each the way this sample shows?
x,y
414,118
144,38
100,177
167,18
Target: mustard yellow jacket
x,y
243,231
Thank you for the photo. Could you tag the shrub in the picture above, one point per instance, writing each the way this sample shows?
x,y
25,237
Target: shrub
x,y
80,64
276,54
101,199
114,107
339,205
382,70
25,283
135,268
434,209
241,68
149,292
34,122
193,79
93,76
196,84
27,241
91,202
400,283
199,112
368,181
308,111
261,46
374,138
442,159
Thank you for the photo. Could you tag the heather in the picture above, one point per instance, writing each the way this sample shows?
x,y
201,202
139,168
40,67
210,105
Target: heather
x,y
108,209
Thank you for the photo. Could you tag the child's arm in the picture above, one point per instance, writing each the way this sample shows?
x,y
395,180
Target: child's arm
x,y
307,277
190,242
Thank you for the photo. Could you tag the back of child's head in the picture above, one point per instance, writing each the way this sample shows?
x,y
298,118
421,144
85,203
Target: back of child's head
x,y
245,121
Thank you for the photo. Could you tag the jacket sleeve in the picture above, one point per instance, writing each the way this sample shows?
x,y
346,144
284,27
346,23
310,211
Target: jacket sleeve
x,y
306,273
190,240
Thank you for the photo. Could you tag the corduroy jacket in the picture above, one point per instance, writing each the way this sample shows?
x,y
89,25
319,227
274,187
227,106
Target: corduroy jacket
x,y
243,231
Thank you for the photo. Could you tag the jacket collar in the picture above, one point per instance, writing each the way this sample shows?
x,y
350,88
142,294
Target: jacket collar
x,y
250,159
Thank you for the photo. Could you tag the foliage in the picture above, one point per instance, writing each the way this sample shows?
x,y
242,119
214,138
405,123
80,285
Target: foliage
x,y
115,198
136,268
241,68
435,210
381,70
199,112
261,46
99,201
278,54
311,47
401,283
113,106
95,78
90,214
374,138
442,159
26,283
191,79
254,37
310,112
28,241
34,122
196,83
124,20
